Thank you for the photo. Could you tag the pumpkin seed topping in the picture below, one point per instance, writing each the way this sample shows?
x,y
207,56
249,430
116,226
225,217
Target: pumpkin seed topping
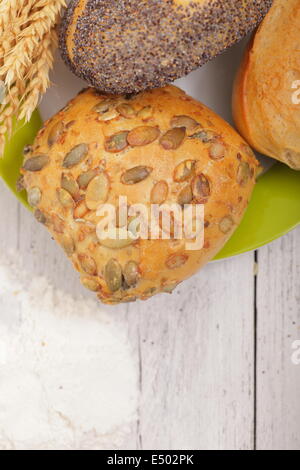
x,y
80,210
131,273
206,136
117,142
243,173
185,196
90,284
103,106
55,133
37,163
217,151
113,275
69,184
97,191
88,264
40,217
27,149
145,113
184,121
126,110
184,170
173,138
118,238
142,135
68,244
85,178
176,261
20,185
34,196
65,198
226,224
159,192
135,175
201,188
75,156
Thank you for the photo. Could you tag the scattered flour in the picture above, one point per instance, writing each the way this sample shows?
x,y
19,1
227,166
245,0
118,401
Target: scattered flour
x,y
67,378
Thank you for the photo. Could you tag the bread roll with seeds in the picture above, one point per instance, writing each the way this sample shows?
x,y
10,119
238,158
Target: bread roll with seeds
x,y
157,147
127,46
266,99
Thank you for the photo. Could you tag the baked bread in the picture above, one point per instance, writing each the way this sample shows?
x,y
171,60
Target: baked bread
x,y
266,98
127,46
157,147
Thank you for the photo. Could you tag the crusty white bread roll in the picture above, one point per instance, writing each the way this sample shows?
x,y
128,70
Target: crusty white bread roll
x,y
127,46
159,147
266,98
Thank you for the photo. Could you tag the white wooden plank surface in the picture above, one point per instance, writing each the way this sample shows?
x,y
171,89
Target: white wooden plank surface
x,y
197,362
278,379
195,348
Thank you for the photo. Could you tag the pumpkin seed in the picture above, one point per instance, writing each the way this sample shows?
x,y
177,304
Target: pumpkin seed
x,y
217,151
145,113
68,244
248,150
117,142
184,170
205,136
159,192
69,184
226,224
88,264
243,173
80,210
40,217
184,121
97,191
126,110
103,106
36,163
90,284
176,261
85,178
109,116
113,275
58,224
185,196
34,196
143,135
65,198
131,273
201,188
75,156
20,185
135,174
55,133
173,138
27,149
115,239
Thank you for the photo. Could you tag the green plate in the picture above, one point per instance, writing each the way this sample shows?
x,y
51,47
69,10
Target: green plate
x,y
273,211
11,162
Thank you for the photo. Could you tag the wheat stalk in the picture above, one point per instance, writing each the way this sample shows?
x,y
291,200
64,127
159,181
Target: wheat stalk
x,y
28,39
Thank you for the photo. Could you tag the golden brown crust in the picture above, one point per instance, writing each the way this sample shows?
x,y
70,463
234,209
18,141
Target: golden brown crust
x,y
205,161
266,104
127,46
